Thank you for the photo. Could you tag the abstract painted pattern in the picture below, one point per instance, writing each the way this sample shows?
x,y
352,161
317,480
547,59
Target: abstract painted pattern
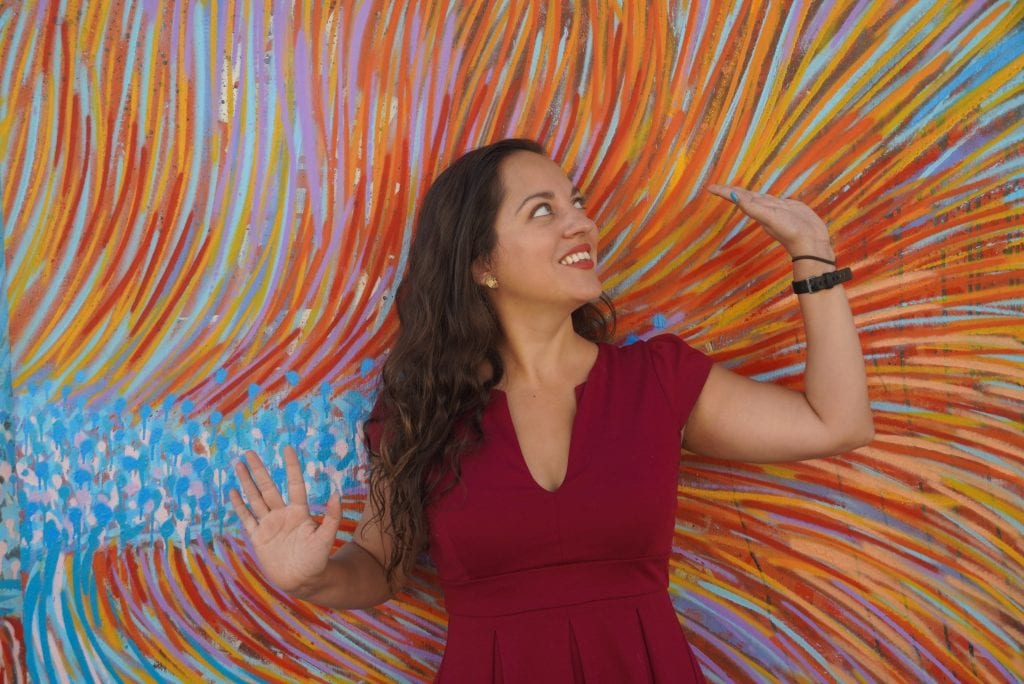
x,y
205,210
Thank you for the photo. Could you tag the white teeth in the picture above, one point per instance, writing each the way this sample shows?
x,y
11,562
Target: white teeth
x,y
574,257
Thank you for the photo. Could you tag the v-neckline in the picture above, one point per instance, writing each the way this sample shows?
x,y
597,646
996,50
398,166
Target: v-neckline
x,y
569,461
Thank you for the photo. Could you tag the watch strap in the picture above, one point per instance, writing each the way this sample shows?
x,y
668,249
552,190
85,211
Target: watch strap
x,y
823,281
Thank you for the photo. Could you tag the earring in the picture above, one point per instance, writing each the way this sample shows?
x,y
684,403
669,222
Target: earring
x,y
490,281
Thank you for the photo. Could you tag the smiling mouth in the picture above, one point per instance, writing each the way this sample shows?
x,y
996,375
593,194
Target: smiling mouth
x,y
578,257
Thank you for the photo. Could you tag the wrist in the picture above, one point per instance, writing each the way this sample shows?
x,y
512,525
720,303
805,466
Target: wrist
x,y
821,248
309,587
812,273
806,269
823,281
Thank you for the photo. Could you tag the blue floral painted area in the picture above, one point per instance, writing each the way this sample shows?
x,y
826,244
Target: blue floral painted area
x,y
10,536
91,475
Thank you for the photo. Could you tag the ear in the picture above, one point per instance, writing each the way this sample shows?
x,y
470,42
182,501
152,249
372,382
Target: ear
x,y
481,268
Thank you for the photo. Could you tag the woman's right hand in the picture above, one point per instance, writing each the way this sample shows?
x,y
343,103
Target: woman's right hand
x,y
291,548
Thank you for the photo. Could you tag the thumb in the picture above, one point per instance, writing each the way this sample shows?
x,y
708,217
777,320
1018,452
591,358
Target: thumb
x,y
328,529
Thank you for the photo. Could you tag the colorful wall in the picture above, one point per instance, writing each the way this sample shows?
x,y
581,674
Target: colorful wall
x,y
205,210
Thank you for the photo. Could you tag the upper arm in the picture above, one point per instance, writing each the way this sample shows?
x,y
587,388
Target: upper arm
x,y
740,419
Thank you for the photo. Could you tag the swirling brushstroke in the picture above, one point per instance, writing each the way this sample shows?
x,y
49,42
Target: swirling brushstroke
x,y
206,208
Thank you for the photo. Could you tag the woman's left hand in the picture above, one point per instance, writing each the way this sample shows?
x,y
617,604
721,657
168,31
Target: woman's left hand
x,y
795,225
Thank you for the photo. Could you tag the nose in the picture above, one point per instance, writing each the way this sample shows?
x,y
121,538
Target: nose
x,y
579,223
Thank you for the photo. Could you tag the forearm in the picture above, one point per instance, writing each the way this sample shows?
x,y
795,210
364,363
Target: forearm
x,y
739,419
353,579
835,384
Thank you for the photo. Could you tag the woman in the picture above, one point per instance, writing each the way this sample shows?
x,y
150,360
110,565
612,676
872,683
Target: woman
x,y
506,428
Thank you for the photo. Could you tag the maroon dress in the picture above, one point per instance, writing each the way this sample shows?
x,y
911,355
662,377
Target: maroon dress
x,y
572,585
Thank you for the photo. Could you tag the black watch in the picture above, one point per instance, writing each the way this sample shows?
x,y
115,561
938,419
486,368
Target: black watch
x,y
822,282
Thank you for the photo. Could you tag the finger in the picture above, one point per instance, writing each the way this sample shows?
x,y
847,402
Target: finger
x,y
252,492
760,207
328,529
733,193
248,520
722,191
296,485
265,483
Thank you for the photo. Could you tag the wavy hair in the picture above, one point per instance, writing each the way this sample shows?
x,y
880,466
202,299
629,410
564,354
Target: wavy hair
x,y
445,361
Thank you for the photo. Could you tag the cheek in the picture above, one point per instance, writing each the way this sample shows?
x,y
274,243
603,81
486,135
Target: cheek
x,y
521,255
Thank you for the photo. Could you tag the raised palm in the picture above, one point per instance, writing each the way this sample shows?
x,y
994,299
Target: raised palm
x,y
291,548
791,222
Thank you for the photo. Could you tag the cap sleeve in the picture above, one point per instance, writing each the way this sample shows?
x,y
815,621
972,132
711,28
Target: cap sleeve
x,y
681,371
374,427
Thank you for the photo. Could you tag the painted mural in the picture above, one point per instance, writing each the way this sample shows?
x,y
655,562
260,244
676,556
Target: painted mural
x,y
205,209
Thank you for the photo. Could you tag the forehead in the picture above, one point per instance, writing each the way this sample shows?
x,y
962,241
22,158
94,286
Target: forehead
x,y
524,173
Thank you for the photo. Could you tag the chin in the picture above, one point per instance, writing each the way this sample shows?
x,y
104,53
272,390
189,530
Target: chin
x,y
589,297
596,291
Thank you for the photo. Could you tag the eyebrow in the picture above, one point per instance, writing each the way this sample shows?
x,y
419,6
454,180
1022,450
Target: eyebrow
x,y
546,194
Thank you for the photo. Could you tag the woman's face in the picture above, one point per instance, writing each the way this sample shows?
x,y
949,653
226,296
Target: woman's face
x,y
546,249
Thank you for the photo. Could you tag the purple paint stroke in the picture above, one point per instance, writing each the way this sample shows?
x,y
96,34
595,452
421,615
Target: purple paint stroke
x,y
219,54
315,637
968,146
384,632
231,157
425,627
172,58
186,607
146,618
413,31
370,634
787,645
284,58
771,644
706,607
448,62
788,41
724,572
419,56
963,17
355,38
151,8
711,670
355,346
254,139
846,617
444,66
190,37
136,610
813,29
910,664
702,30
339,136
324,76
984,654
310,140
852,23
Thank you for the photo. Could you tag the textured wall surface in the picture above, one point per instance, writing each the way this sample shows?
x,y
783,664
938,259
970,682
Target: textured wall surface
x,y
205,209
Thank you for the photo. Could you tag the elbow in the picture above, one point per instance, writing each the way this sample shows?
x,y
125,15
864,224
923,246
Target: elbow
x,y
867,434
865,437
859,433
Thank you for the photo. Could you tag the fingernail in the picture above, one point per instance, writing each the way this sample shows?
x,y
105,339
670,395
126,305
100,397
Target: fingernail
x,y
734,198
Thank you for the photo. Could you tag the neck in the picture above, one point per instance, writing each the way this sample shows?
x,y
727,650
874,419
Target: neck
x,y
540,351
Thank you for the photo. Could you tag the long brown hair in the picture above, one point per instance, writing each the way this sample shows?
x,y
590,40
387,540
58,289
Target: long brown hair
x,y
445,360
